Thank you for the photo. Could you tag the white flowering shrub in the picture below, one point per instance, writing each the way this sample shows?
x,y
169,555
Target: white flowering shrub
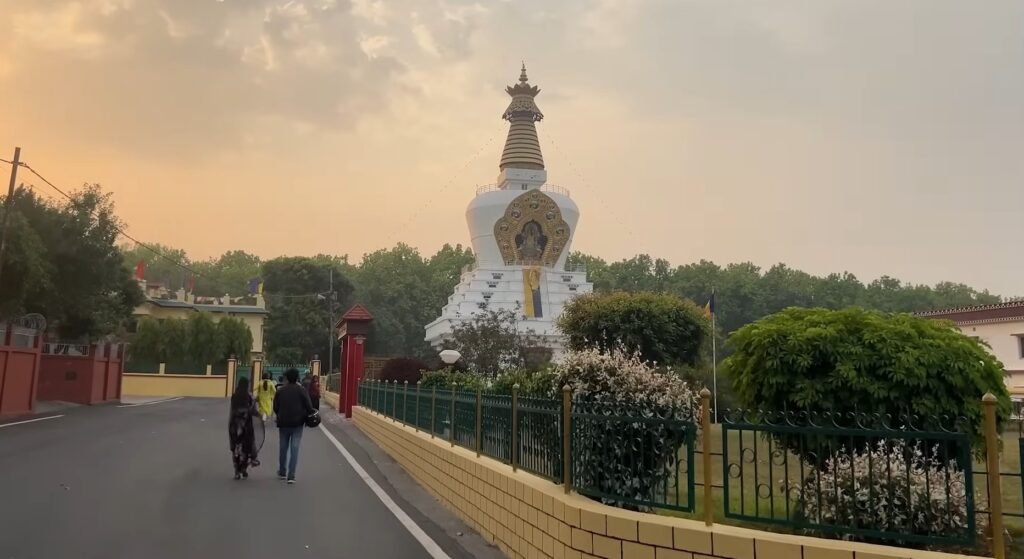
x,y
892,487
630,422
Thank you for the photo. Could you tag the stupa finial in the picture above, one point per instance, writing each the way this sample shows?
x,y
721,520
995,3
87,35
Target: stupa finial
x,y
522,74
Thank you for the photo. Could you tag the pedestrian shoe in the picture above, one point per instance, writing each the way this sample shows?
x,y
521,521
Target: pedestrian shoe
x,y
238,475
291,481
280,476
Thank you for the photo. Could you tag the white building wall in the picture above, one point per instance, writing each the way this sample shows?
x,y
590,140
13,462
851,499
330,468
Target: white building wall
x,y
1004,339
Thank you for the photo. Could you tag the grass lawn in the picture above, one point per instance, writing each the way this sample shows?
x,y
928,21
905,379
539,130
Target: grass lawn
x,y
757,492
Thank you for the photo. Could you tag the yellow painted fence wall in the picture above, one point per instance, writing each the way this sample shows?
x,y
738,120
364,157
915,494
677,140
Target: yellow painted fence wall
x,y
204,386
529,517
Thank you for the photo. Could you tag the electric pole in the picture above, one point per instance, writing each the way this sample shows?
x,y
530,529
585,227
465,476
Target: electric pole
x,y
7,206
330,324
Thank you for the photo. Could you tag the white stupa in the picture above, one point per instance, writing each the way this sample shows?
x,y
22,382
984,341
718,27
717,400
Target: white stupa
x,y
521,230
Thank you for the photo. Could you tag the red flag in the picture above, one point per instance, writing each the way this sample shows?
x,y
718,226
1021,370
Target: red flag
x,y
140,270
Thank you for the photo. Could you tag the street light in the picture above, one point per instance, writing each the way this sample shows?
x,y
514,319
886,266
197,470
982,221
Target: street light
x,y
450,356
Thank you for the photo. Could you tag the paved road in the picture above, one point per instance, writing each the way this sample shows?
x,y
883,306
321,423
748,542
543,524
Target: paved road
x,y
155,481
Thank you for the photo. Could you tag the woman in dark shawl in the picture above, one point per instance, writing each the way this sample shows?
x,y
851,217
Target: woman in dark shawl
x,y
240,430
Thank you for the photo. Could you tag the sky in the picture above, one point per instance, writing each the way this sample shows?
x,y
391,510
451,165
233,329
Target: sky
x,y
869,136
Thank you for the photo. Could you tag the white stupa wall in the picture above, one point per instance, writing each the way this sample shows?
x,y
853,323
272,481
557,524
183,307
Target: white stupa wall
x,y
488,207
501,288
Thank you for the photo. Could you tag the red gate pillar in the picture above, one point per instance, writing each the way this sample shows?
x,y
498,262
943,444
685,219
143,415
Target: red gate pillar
x,y
352,330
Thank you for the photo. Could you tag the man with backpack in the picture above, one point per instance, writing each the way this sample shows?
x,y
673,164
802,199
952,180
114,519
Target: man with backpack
x,y
291,406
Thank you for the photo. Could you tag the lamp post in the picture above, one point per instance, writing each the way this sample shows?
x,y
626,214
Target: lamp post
x,y
330,297
449,356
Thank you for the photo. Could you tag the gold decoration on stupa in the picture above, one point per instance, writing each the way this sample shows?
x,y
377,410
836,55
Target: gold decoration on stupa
x,y
532,232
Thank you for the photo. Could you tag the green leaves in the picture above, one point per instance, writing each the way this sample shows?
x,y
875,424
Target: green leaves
x,y
662,328
855,360
197,340
63,263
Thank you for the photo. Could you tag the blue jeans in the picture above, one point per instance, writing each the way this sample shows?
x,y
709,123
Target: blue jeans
x,y
290,439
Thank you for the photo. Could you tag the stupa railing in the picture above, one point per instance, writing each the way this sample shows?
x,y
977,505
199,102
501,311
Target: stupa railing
x,y
544,188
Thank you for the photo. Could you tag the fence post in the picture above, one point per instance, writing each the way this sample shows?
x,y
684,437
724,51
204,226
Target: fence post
x,y
566,438
451,425
479,422
514,455
416,417
988,404
405,404
394,400
705,425
433,402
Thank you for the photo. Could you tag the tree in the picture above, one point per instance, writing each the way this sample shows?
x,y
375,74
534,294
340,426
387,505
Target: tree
x,y
229,274
854,360
73,272
162,264
236,337
491,342
300,305
402,369
662,328
394,286
205,343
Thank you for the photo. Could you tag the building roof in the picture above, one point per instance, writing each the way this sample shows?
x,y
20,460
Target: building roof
x,y
357,312
997,312
233,309
170,303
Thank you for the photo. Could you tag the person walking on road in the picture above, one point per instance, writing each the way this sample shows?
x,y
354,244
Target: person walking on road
x,y
265,396
292,407
241,435
314,391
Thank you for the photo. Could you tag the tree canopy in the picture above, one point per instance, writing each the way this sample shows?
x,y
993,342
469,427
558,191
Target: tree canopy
x,y
63,263
405,290
661,328
855,360
197,340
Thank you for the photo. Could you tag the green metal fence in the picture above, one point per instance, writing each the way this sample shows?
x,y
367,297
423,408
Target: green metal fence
x,y
530,433
869,478
852,475
631,456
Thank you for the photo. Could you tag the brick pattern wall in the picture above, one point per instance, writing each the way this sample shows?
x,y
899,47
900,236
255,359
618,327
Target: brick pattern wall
x,y
530,518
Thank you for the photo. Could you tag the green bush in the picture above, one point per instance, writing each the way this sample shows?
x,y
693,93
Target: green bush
x,y
532,384
660,327
444,379
632,459
402,369
857,361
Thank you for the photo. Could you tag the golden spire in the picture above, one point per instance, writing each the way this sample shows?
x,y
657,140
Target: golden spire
x,y
522,148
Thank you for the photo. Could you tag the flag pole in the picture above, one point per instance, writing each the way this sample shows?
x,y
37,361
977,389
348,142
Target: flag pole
x,y
714,363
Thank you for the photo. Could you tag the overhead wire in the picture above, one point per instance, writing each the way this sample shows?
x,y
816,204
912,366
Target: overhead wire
x,y
120,230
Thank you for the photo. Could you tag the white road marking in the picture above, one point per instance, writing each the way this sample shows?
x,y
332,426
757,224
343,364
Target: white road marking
x,y
151,403
30,421
428,544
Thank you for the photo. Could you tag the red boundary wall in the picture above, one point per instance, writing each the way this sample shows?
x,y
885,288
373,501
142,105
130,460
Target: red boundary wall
x,y
19,375
83,379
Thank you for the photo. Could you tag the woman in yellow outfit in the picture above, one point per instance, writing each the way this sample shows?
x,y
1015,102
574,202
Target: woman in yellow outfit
x,y
265,396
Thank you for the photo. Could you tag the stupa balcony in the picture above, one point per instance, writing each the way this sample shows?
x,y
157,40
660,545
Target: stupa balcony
x,y
553,188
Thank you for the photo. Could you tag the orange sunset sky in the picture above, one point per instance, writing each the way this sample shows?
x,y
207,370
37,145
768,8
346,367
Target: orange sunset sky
x,y
878,137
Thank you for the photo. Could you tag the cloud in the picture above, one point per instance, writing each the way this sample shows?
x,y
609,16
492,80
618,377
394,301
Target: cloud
x,y
161,76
